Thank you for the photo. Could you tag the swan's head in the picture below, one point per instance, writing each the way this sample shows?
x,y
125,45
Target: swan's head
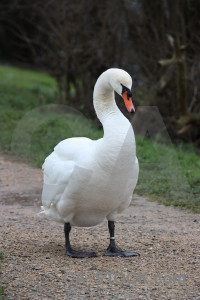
x,y
121,82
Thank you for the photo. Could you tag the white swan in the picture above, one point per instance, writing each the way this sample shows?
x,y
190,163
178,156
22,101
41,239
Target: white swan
x,y
86,181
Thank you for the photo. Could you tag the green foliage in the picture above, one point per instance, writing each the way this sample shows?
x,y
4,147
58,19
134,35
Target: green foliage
x,y
169,174
31,127
21,91
27,81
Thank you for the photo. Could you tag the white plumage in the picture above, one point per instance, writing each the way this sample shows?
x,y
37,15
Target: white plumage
x,y
86,181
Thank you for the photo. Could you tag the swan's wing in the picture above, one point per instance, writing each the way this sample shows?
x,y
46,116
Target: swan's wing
x,y
57,173
59,166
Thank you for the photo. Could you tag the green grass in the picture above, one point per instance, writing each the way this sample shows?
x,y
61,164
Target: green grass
x,y
32,124
169,174
2,295
20,92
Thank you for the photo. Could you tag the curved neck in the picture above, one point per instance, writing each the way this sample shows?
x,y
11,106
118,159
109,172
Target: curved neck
x,y
118,136
104,99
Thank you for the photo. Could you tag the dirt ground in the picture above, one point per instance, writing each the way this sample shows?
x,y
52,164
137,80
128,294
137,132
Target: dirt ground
x,y
36,267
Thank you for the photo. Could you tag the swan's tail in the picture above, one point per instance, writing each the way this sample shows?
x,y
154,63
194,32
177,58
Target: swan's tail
x,y
51,212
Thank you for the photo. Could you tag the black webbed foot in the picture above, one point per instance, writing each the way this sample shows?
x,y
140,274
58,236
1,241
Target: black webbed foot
x,y
115,251
71,252
79,254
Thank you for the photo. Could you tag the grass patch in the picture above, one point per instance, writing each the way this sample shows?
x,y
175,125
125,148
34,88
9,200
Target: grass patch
x,y
2,295
169,174
20,92
32,124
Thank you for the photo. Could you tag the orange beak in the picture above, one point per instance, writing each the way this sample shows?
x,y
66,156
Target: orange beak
x,y
128,102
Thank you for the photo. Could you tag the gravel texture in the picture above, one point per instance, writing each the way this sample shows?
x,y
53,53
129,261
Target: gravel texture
x,y
36,267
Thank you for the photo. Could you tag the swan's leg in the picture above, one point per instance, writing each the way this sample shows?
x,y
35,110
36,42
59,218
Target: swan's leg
x,y
113,250
69,250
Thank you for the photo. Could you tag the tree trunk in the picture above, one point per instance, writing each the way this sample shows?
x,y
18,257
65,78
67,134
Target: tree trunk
x,y
181,79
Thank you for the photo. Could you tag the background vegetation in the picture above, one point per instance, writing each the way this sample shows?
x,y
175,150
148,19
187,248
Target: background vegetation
x,y
157,42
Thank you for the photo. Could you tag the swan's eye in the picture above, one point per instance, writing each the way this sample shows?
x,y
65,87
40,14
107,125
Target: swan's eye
x,y
129,94
125,89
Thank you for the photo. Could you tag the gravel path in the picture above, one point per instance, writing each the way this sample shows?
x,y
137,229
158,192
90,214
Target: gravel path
x,y
36,267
